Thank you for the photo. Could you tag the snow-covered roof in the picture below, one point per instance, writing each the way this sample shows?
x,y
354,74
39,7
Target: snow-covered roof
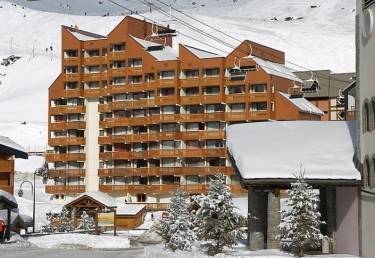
x,y
8,198
145,43
303,105
277,150
276,69
166,54
12,148
201,53
103,198
84,36
129,209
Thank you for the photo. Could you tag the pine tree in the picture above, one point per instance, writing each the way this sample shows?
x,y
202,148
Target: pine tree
x,y
299,226
218,223
177,229
87,222
65,221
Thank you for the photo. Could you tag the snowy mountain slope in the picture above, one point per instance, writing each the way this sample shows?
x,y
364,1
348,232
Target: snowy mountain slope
x,y
322,39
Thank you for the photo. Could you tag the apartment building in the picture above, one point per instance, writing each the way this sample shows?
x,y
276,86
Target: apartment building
x,y
132,116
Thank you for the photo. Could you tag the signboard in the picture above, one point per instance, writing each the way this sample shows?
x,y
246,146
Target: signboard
x,y
106,219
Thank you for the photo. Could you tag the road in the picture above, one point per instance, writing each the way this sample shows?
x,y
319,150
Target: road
x,y
33,252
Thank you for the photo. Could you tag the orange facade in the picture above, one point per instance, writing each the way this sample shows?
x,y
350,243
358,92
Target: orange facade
x,y
6,173
162,112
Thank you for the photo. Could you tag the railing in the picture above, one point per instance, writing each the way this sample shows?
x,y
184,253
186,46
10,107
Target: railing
x,y
117,55
161,153
167,83
71,61
67,125
51,157
164,188
189,82
65,189
72,77
7,166
190,100
72,93
210,81
93,93
66,172
138,137
96,60
212,98
236,98
66,141
243,116
66,110
165,171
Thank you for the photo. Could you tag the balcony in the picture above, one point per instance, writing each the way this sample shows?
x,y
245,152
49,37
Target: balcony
x,y
65,189
71,61
209,81
135,70
149,189
119,55
66,110
198,135
238,81
189,82
113,155
52,157
94,93
167,83
94,76
127,104
117,71
71,93
211,99
190,100
67,125
72,77
236,98
69,172
66,141
166,100
237,116
129,138
6,166
259,115
95,60
258,96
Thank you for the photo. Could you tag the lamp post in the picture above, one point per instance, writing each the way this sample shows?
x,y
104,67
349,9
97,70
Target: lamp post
x,y
43,172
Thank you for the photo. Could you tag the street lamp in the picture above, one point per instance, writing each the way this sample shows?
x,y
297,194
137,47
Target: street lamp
x,y
43,172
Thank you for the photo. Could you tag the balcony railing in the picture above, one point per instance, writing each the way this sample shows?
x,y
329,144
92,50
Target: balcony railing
x,y
72,93
51,157
69,172
66,141
66,110
67,125
65,189
163,153
165,171
138,137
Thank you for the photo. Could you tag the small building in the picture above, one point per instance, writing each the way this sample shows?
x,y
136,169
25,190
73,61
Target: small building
x,y
125,216
8,151
268,155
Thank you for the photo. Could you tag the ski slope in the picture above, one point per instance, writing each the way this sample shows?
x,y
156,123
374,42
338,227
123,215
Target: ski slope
x,y
316,38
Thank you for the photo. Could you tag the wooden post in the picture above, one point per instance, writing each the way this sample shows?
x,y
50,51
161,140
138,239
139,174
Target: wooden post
x,y
114,223
96,223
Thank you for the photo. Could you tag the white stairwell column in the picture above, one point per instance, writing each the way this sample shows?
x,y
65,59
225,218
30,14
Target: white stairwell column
x,y
92,146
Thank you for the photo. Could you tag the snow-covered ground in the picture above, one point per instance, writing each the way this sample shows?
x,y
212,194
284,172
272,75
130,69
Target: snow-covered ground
x,y
323,38
81,240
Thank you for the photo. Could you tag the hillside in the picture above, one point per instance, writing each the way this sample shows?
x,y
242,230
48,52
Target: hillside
x,y
321,37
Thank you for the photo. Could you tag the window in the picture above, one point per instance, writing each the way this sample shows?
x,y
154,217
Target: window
x,y
71,85
210,108
166,92
212,72
240,89
135,79
167,74
92,53
211,90
215,126
92,69
192,91
367,3
366,117
194,109
237,107
118,47
118,64
71,69
118,80
215,144
92,85
258,106
135,62
191,73
71,53
367,179
258,88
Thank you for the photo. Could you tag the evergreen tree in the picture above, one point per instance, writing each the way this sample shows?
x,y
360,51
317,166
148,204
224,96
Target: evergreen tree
x,y
218,223
299,226
87,222
176,230
65,221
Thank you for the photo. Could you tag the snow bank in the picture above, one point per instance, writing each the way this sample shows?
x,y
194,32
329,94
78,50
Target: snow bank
x,y
81,240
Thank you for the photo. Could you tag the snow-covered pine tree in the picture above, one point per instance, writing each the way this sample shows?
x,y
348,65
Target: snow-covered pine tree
x,y
65,221
180,232
48,228
300,225
87,222
218,223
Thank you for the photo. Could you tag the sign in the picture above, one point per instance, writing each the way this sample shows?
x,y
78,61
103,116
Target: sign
x,y
106,219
